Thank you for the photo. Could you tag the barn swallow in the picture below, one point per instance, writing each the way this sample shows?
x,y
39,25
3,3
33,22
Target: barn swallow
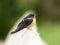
x,y
27,22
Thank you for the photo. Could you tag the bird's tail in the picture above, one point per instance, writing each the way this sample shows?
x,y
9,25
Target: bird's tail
x,y
18,29
14,31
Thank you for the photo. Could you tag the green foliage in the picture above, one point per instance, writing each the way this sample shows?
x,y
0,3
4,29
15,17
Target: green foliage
x,y
50,33
12,10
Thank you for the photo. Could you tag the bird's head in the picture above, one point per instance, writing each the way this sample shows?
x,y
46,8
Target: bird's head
x,y
30,16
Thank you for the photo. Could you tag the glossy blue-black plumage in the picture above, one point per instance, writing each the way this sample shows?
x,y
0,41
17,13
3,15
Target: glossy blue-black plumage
x,y
23,24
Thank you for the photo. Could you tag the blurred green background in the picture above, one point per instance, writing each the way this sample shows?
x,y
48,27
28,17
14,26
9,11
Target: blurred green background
x,y
48,17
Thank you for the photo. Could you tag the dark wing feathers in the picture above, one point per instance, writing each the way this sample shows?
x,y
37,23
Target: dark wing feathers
x,y
24,23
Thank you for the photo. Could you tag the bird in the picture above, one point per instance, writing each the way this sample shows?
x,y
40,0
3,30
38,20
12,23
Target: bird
x,y
26,22
26,32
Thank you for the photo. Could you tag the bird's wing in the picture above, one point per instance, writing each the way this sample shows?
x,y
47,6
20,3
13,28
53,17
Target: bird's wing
x,y
24,23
